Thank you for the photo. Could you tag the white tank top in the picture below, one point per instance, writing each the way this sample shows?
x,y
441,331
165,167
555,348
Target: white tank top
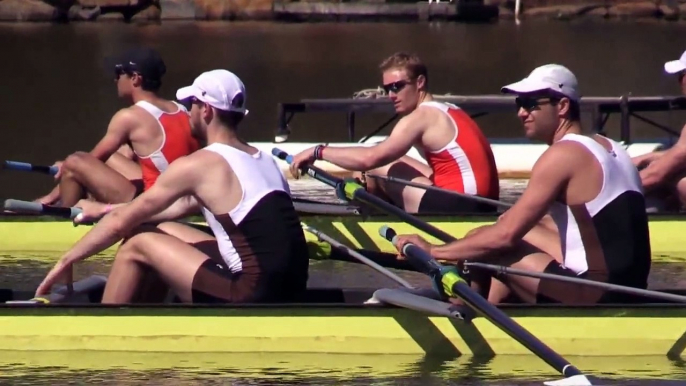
x,y
619,176
259,176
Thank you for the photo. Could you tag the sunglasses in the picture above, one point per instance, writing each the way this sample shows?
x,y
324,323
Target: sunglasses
x,y
395,87
119,70
530,104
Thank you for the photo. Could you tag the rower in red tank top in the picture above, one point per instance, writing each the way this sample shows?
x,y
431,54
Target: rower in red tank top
x,y
459,158
466,164
176,142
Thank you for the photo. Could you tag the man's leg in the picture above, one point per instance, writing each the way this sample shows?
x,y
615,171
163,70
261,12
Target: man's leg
x,y
175,252
82,173
404,196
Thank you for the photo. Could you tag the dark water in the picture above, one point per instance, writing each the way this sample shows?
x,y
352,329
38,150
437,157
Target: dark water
x,y
58,98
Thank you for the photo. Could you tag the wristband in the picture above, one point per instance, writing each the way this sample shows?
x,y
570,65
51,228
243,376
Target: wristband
x,y
319,152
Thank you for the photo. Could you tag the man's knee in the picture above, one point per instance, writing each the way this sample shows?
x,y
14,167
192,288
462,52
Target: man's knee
x,y
76,161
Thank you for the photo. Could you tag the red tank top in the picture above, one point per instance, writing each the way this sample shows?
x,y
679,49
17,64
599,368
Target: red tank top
x,y
176,142
466,164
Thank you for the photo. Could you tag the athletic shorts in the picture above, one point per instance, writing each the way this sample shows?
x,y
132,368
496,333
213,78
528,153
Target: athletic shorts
x,y
215,283
442,202
554,291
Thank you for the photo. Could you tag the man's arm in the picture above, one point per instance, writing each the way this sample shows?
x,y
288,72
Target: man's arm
x,y
117,135
177,181
94,210
399,142
548,177
672,161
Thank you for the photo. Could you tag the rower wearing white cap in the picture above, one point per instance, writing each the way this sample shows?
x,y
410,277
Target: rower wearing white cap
x,y
663,173
591,189
256,250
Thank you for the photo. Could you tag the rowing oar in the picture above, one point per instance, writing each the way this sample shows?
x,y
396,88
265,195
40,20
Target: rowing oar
x,y
62,293
354,191
27,167
20,206
401,181
454,285
576,280
358,256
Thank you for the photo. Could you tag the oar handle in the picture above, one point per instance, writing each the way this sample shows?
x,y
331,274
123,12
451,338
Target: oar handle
x,y
27,167
38,208
417,256
278,153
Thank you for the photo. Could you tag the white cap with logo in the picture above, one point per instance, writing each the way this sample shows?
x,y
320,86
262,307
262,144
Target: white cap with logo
x,y
550,77
675,66
220,89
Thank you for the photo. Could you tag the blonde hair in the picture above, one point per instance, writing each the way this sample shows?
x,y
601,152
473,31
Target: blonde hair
x,y
408,62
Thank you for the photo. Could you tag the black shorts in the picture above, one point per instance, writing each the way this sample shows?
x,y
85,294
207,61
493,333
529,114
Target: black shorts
x,y
215,283
555,291
441,202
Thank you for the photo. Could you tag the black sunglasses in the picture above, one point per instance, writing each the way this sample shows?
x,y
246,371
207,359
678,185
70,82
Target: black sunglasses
x,y
395,87
120,70
530,104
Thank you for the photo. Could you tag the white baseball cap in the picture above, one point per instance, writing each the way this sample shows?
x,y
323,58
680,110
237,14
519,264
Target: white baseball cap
x,y
553,77
221,89
675,66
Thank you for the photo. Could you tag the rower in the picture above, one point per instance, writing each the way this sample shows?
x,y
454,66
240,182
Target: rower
x,y
599,228
256,250
458,154
663,173
140,142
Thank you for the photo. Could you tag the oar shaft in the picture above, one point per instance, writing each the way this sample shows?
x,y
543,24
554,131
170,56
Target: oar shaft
x,y
358,256
457,286
354,191
38,208
401,181
577,280
27,167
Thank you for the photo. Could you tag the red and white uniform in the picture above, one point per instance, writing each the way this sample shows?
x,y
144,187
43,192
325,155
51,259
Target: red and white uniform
x,y
176,141
466,164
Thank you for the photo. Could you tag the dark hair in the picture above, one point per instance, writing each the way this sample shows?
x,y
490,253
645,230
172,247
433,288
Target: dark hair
x,y
408,62
152,85
229,118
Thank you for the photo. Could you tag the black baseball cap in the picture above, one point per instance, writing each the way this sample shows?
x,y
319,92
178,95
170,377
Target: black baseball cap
x,y
142,60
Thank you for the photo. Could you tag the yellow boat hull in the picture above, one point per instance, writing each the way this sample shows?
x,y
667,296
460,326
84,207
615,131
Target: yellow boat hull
x,y
355,231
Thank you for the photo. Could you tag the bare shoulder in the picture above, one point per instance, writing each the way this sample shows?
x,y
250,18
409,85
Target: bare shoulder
x,y
127,115
563,155
420,118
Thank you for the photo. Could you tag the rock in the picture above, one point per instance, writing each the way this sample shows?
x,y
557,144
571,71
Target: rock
x,y
78,13
28,10
233,9
642,9
563,12
505,13
151,12
669,12
104,3
177,9
112,16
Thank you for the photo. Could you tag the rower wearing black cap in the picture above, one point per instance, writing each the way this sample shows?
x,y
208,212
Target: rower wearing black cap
x,y
140,143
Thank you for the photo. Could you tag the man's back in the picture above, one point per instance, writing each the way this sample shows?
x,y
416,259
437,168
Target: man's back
x,y
458,152
613,223
256,225
162,134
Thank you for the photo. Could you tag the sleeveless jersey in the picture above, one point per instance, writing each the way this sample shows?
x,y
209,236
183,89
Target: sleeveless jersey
x,y
177,141
611,231
466,164
262,235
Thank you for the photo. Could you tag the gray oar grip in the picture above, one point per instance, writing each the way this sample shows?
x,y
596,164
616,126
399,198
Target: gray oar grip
x,y
38,208
23,206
